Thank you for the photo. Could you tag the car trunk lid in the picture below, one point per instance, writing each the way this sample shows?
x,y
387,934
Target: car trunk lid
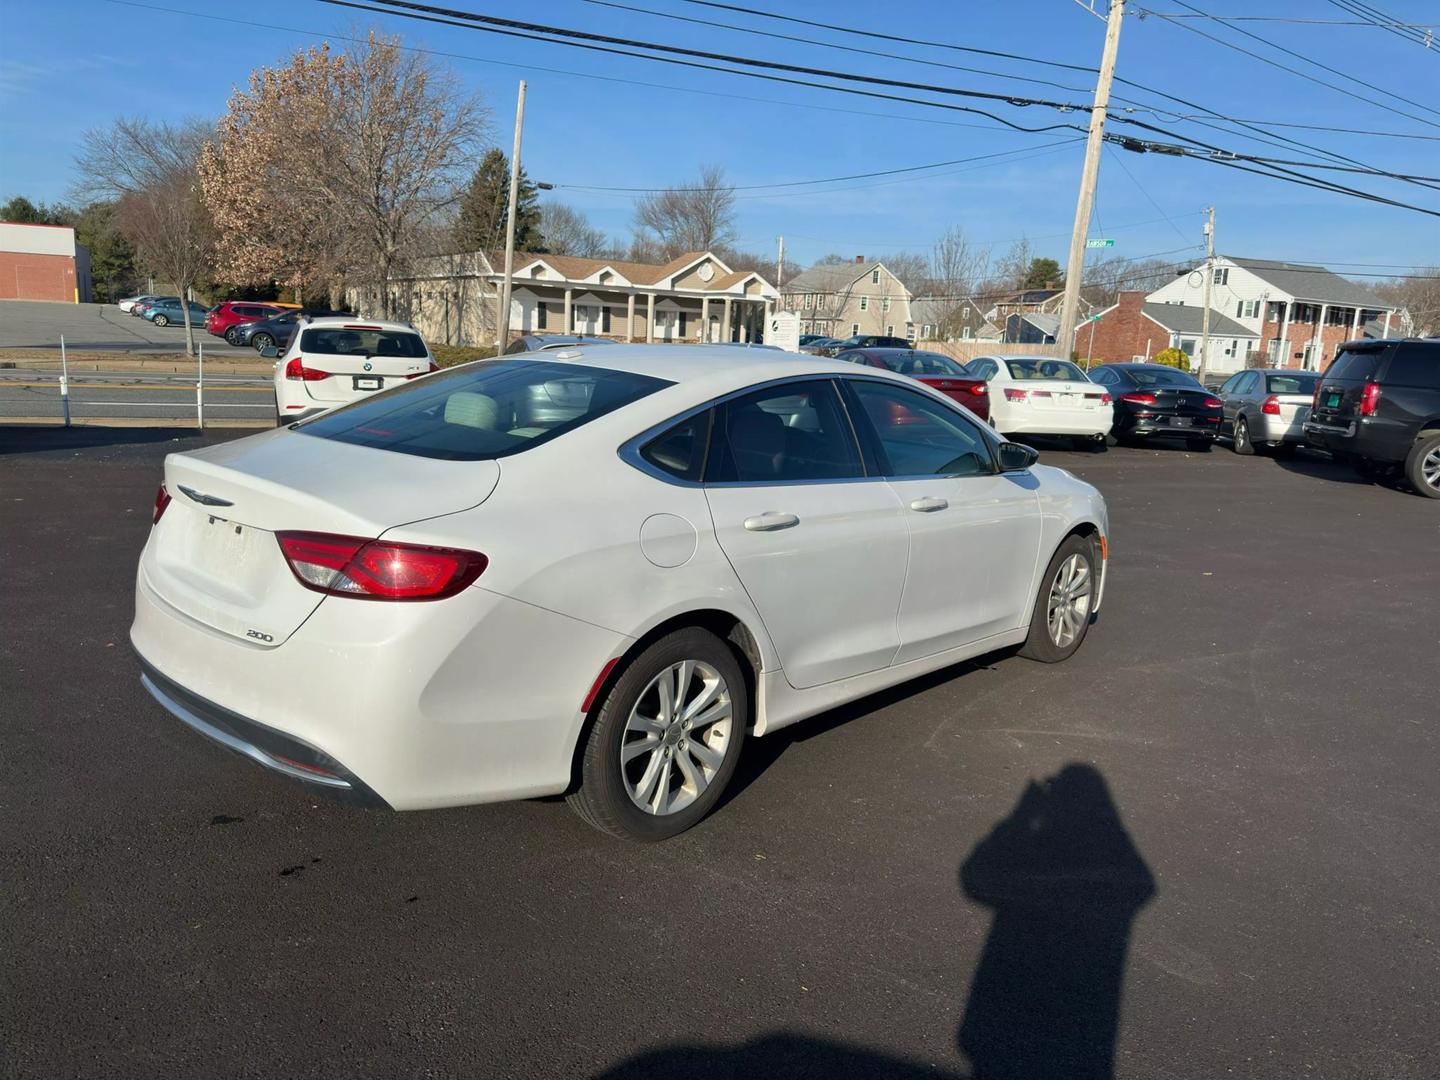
x,y
213,555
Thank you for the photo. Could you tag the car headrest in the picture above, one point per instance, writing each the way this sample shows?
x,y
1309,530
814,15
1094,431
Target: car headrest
x,y
757,439
472,410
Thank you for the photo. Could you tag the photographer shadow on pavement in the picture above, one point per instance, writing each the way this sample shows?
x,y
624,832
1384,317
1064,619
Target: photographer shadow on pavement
x,y
1065,882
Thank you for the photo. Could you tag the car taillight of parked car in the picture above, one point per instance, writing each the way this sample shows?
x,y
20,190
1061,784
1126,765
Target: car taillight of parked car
x,y
1139,399
980,389
434,367
1214,403
367,569
1369,399
1012,394
162,500
296,369
1270,406
1315,397
1104,399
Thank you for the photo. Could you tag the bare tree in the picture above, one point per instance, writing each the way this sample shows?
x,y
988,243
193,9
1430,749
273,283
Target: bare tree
x,y
698,216
568,232
149,168
957,269
336,168
1419,296
1012,267
912,268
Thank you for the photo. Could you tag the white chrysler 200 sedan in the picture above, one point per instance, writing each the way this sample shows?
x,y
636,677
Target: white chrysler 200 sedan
x,y
596,572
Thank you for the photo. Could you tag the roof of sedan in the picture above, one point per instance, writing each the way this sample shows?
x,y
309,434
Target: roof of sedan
x,y
696,363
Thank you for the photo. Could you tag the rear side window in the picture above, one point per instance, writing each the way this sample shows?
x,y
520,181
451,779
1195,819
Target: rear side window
x,y
681,450
1415,365
798,431
1291,384
1359,364
483,411
362,341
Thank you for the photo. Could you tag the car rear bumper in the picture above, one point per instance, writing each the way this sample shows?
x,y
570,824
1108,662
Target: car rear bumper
x,y
1366,437
471,699
273,749
1057,423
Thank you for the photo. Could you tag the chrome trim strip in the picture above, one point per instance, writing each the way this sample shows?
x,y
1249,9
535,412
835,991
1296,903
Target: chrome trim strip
x,y
224,738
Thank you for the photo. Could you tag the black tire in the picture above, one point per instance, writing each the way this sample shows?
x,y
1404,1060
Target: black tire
x,y
1424,457
601,798
1242,444
262,342
1040,645
160,320
1199,446
1100,445
232,337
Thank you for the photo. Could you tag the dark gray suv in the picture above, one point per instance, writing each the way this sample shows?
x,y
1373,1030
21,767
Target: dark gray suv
x,y
1378,407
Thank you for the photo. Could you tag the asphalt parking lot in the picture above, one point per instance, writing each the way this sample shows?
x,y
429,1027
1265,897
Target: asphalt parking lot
x,y
1206,846
39,324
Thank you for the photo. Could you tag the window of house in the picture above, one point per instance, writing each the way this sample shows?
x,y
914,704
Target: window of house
x,y
682,324
540,315
864,303
890,330
885,304
910,331
604,319
820,302
808,299
1221,275
1275,311
875,277
1252,308
854,328
966,333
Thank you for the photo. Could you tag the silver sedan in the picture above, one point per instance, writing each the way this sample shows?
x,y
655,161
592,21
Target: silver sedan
x,y
1268,408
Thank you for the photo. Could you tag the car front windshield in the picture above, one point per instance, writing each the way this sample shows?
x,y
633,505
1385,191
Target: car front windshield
x,y
1159,375
483,411
1038,368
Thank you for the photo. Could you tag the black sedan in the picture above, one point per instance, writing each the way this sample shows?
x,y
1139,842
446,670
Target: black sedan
x,y
1153,401
276,330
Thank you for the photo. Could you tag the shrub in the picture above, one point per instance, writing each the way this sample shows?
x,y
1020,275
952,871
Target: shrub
x,y
450,355
1175,358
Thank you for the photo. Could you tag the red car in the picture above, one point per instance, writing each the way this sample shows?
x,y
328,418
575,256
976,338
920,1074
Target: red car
x,y
234,312
935,370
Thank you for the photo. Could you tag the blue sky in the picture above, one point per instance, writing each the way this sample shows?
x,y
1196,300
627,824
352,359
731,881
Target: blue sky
x,y
70,64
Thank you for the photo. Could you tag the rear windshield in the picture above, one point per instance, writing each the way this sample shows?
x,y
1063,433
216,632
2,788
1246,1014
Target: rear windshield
x,y
483,411
1415,364
923,364
349,341
1355,364
1160,375
1291,384
1044,369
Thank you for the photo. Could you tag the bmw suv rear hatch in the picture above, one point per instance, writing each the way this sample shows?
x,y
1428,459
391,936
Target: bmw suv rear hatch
x,y
214,555
338,362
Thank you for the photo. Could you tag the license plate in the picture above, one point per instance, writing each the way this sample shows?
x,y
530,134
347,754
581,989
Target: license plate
x,y
1332,401
1179,421
368,382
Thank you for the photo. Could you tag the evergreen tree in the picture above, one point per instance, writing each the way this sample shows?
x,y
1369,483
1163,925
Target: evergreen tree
x,y
481,225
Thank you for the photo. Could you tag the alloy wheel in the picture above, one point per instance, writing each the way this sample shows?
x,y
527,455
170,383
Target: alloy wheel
x,y
1430,469
676,737
1242,434
1068,607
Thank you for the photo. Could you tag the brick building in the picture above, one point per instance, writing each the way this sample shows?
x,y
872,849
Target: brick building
x,y
1136,328
42,262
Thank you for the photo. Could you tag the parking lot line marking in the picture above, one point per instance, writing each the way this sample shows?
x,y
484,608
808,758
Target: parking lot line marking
x,y
254,389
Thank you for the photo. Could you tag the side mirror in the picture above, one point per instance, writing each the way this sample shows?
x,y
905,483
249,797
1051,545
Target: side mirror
x,y
1017,457
270,352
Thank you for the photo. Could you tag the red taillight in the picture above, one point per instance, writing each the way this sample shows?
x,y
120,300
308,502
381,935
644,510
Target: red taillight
x,y
1016,395
1315,398
1104,399
980,389
1214,403
1271,406
1369,399
162,500
378,569
1139,399
434,367
296,369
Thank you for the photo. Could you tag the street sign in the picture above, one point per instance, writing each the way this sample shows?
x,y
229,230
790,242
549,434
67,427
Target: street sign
x,y
1092,318
1099,243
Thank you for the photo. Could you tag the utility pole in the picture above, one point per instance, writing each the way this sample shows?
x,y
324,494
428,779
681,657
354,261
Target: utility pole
x,y
1075,267
1209,280
780,264
502,320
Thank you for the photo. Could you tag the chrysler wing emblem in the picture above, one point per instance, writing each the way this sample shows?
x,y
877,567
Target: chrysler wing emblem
x,y
203,499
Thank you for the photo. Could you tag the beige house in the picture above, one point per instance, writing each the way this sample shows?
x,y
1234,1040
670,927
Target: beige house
x,y
843,299
695,298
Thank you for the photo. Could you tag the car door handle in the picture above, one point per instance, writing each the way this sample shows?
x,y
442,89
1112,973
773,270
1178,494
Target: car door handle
x,y
770,521
929,505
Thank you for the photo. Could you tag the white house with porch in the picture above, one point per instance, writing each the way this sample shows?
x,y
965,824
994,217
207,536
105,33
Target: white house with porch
x,y
694,298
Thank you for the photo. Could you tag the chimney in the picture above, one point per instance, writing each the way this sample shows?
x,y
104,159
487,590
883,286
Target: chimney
x,y
859,259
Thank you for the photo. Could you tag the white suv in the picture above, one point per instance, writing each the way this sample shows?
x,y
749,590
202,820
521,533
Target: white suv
x,y
332,361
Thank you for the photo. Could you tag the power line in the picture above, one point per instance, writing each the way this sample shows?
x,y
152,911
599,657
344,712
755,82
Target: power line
x,y
823,180
1307,77
832,45
1373,16
1272,19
